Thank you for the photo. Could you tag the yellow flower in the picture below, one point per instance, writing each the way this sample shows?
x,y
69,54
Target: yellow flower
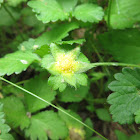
x,y
66,66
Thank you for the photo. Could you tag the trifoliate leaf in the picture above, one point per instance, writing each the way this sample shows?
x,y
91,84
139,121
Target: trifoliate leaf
x,y
14,3
125,100
46,124
88,13
73,95
124,13
48,10
16,62
103,114
15,112
38,86
6,19
4,128
123,45
68,5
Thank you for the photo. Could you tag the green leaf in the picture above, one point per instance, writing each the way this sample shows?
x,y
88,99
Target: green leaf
x,y
120,135
16,62
39,86
134,137
6,19
40,44
69,121
124,13
15,112
71,42
124,45
28,45
89,133
49,124
125,100
14,3
68,5
1,1
43,50
48,10
73,95
103,114
137,117
56,34
57,82
4,128
82,79
88,13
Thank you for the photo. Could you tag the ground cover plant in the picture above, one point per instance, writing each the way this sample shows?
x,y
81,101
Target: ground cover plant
x,y
69,69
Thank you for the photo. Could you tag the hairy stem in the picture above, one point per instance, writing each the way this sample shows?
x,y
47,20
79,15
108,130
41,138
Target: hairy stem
x,y
114,64
53,106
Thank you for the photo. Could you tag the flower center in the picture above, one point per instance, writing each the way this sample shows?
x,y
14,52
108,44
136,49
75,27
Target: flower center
x,y
66,64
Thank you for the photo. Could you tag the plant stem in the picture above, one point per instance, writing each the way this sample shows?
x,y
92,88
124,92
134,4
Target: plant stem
x,y
109,10
53,106
12,17
114,64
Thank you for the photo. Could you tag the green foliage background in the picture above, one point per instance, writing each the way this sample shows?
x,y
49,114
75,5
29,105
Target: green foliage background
x,y
34,34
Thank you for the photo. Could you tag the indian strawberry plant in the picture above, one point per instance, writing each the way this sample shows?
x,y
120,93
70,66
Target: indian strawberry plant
x,y
69,69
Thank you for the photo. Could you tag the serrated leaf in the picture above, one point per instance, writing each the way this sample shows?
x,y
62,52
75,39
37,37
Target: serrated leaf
x,y
68,5
71,42
49,124
73,95
124,13
27,45
40,44
57,82
16,62
15,112
6,19
39,86
88,12
125,100
124,45
103,114
4,128
48,10
137,117
14,3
